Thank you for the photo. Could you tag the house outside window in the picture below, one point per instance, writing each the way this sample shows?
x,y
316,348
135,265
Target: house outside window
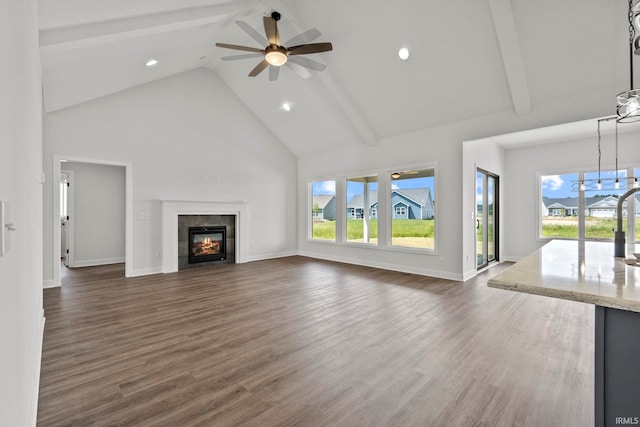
x,y
412,200
408,216
323,210
362,193
568,212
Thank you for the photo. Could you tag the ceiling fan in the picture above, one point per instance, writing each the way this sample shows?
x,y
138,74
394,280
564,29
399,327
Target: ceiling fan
x,y
276,54
396,175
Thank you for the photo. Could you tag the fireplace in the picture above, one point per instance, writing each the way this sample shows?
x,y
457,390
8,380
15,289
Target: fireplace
x,y
179,216
207,244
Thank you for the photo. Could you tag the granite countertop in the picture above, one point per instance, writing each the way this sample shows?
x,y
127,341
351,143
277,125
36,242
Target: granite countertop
x,y
581,271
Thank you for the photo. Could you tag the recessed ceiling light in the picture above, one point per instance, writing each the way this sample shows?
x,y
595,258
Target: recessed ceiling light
x,y
286,106
151,62
403,53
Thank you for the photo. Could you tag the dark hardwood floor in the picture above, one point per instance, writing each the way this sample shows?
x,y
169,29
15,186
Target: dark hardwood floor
x,y
298,341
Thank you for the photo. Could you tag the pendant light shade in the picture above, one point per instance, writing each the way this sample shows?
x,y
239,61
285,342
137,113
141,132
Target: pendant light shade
x,y
628,109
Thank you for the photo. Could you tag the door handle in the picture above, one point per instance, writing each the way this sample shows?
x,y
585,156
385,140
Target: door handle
x,y
477,224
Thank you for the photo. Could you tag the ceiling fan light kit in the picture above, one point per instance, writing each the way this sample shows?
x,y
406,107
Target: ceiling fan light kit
x,y
276,54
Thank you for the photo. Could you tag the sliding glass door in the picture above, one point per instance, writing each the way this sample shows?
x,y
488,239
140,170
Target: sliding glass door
x,y
486,218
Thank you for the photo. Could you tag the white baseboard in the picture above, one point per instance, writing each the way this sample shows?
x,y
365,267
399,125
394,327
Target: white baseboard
x,y
35,381
136,272
385,266
50,283
512,258
469,275
95,262
271,256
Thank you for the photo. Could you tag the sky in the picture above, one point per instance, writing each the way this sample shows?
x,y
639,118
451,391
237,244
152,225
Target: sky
x,y
354,188
558,186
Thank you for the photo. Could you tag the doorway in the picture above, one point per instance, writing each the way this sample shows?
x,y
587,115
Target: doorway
x,y
67,186
487,227
61,163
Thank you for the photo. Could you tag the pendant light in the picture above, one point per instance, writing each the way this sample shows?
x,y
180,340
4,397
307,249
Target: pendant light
x,y
628,109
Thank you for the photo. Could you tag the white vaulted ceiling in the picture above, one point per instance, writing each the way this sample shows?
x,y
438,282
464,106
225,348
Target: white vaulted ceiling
x,y
470,58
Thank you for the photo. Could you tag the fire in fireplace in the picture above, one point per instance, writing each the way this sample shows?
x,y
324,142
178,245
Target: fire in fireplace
x,y
207,244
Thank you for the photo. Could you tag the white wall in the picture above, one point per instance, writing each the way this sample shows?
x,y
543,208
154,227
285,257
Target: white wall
x,y
444,145
21,316
186,137
99,213
487,155
521,187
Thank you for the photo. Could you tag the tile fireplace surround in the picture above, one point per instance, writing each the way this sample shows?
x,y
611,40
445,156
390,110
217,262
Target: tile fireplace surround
x,y
171,209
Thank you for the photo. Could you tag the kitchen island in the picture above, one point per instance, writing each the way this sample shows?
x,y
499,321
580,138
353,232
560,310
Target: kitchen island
x,y
588,272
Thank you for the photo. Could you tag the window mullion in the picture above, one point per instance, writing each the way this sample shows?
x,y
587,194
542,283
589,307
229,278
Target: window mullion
x,y
582,206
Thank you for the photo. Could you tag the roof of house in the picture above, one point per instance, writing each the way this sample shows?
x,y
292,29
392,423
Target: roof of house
x,y
590,202
322,200
420,196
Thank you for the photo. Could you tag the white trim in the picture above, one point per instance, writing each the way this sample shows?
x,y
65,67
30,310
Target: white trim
x,y
95,262
57,159
387,266
50,284
275,255
469,275
35,381
172,208
136,272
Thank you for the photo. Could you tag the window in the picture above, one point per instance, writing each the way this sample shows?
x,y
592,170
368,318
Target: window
x,y
601,204
323,210
64,194
362,196
412,202
574,206
559,206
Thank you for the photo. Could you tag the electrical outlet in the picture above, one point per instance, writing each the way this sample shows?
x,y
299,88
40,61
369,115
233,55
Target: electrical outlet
x,y
441,261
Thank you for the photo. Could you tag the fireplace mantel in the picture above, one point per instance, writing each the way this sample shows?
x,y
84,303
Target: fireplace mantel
x,y
172,208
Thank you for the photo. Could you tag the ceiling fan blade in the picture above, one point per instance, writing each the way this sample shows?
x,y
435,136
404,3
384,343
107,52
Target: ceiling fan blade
x,y
301,71
243,56
271,30
274,72
306,37
306,62
252,32
236,47
259,68
310,48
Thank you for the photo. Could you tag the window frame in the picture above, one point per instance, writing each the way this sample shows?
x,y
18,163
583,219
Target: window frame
x,y
311,214
384,200
365,180
582,232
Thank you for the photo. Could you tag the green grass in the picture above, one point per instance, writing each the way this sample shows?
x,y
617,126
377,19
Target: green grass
x,y
595,228
355,229
324,230
399,227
